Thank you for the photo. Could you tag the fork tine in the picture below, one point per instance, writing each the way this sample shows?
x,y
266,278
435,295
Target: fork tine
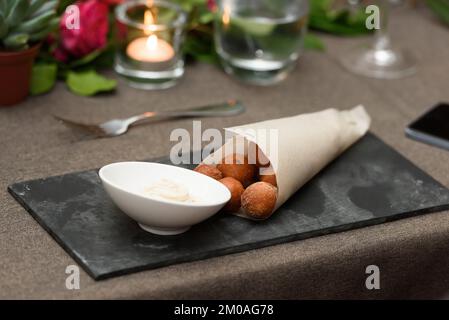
x,y
92,129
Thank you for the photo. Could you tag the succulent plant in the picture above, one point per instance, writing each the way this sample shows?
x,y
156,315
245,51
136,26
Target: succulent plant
x,y
24,22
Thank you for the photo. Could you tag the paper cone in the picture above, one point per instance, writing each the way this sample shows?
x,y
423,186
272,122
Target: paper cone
x,y
298,147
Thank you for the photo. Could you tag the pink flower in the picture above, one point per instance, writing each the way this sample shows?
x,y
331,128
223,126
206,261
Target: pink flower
x,y
60,54
212,5
91,34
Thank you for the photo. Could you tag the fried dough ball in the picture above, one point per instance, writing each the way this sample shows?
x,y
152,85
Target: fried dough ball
x,y
267,175
257,157
210,171
237,167
271,179
259,200
236,189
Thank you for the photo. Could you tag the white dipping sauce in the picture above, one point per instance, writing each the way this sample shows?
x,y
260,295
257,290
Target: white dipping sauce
x,y
166,189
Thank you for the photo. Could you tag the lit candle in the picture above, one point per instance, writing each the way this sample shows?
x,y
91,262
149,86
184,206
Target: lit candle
x,y
226,18
151,48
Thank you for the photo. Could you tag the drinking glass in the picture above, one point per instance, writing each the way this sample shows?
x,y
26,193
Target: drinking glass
x,y
259,41
150,35
381,59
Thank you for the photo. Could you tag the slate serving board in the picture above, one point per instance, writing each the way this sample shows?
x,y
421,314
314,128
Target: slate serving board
x,y
369,184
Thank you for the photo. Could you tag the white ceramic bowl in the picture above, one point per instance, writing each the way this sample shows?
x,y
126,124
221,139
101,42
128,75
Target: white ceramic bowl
x,y
125,182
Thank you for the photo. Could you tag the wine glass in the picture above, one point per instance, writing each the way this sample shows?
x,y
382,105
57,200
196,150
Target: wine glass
x,y
381,59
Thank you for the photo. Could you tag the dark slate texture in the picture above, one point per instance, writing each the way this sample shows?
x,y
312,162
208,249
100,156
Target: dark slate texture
x,y
369,184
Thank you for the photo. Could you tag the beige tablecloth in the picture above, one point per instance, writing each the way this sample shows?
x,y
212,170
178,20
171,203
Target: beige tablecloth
x,y
412,254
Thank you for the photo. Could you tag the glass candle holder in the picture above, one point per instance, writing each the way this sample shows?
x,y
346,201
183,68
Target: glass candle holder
x,y
259,41
149,39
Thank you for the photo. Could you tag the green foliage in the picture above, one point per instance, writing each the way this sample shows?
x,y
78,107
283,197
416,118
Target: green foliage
x,y
43,78
440,8
199,43
339,22
26,21
312,42
40,18
17,12
89,83
78,74
200,47
100,58
3,26
15,40
63,4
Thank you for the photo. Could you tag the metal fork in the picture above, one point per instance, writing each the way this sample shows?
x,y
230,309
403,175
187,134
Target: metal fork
x,y
116,127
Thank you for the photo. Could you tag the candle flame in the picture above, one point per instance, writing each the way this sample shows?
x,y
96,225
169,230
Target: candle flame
x,y
148,20
152,42
226,14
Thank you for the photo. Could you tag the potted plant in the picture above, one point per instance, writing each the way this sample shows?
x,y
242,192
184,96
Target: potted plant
x,y
23,25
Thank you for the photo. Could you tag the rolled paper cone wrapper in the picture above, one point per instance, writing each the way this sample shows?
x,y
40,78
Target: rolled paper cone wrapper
x,y
298,147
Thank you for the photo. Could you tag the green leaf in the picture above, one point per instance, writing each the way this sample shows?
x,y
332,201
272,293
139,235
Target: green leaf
x,y
106,59
62,5
440,8
3,26
35,5
43,78
3,7
52,25
320,6
86,59
206,17
89,83
36,24
188,5
8,4
17,13
312,42
101,58
16,41
325,25
200,48
340,22
46,7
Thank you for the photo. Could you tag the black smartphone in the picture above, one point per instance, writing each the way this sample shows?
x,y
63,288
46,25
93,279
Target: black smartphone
x,y
432,127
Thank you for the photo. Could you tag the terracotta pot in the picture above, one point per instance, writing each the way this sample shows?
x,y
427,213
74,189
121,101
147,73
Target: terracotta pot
x,y
15,75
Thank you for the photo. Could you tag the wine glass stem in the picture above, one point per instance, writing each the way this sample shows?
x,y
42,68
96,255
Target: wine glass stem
x,y
382,36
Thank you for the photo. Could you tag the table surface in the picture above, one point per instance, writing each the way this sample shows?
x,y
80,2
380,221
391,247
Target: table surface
x,y
411,253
